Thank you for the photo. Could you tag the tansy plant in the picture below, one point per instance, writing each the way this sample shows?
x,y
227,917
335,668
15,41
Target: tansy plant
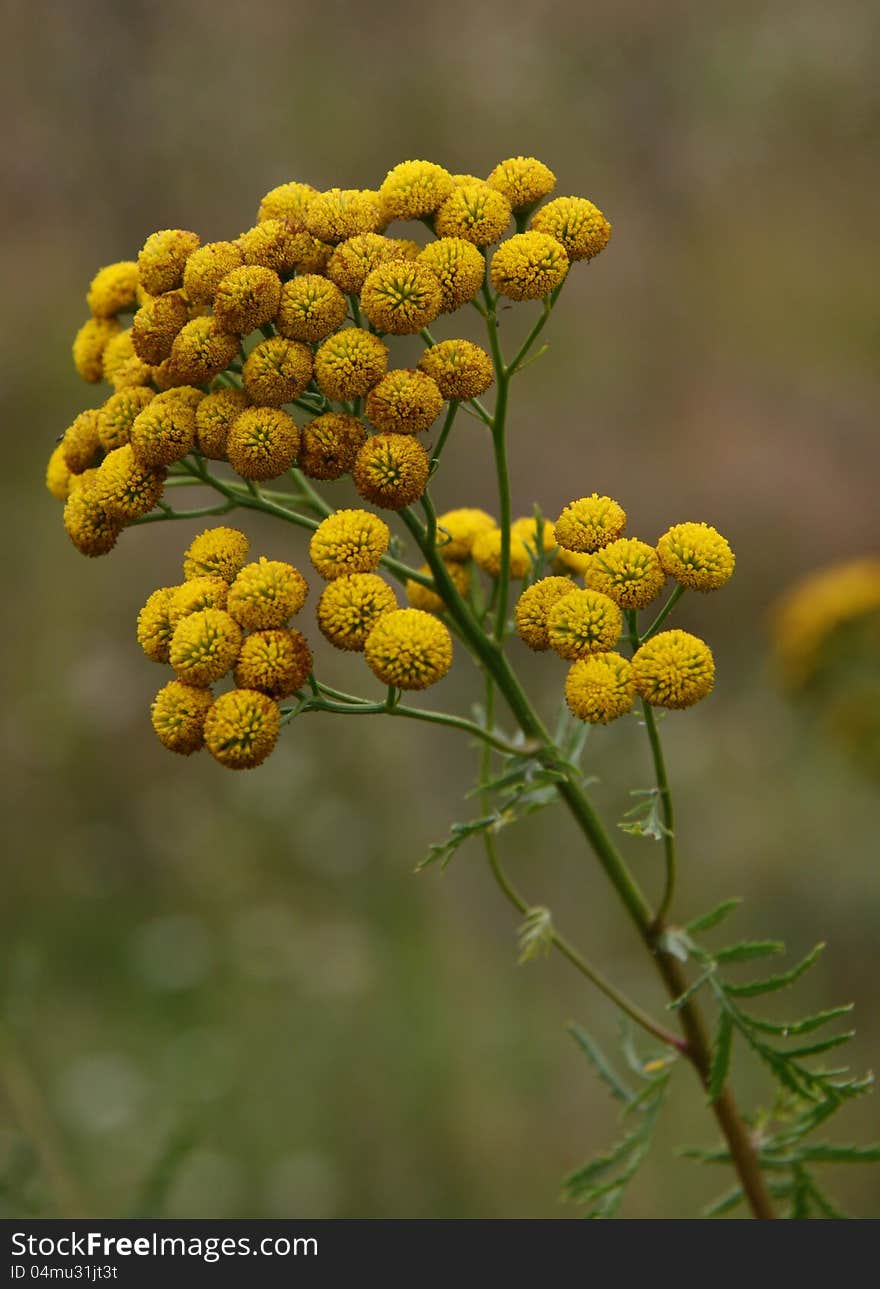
x,y
268,359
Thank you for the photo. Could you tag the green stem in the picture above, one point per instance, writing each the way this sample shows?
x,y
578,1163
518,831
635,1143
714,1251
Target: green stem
x,y
499,450
668,812
444,435
662,615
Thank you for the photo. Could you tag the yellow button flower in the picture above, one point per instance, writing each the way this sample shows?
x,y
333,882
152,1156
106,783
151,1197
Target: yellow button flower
x,y
329,445
349,363
341,213
276,662
628,571
118,414
58,474
156,324
196,594
311,308
241,728
247,298
458,267
475,213
217,552
523,181
163,258
533,607
89,345
404,402
528,266
288,201
263,443
457,530
356,257
81,444
461,369
409,649
121,365
204,646
575,222
351,606
674,669
113,289
164,432
201,350
415,189
590,523
266,594
697,556
207,267
600,688
87,523
391,470
422,597
275,244
401,297
178,716
126,488
349,541
154,625
583,622
277,371
215,415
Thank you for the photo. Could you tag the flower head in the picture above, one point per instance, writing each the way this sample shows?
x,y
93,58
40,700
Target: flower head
x,y
217,552
241,728
329,445
113,289
583,622
163,258
391,470
476,213
247,298
534,606
154,625
311,308
201,350
458,267
351,606
204,646
121,365
266,594
674,669
164,432
575,222
422,597
262,443
404,402
117,416
409,649
277,371
818,610
628,571
207,267
275,244
87,523
528,266
340,213
524,547
89,344
126,488
697,556
401,297
349,541
178,716
196,594
58,474
81,444
215,415
156,324
287,201
276,662
356,257
414,189
457,530
189,395
461,369
349,363
590,523
600,688
523,180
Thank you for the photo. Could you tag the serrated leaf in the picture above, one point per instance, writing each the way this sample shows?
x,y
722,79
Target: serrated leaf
x,y
680,1001
791,1029
711,919
442,852
746,950
822,1152
770,984
721,1053
600,1063
826,1045
535,935
725,1203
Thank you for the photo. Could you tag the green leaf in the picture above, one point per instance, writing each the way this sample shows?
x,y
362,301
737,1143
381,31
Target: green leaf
x,y
535,935
691,989
711,919
600,1063
442,852
601,1183
822,1152
746,950
725,1203
721,1056
826,1045
645,818
769,985
791,1029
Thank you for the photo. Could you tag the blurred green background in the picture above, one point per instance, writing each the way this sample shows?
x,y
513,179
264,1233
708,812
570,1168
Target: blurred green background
x,y
230,995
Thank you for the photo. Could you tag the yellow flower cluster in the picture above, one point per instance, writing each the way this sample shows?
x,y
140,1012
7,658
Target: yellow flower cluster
x,y
227,617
